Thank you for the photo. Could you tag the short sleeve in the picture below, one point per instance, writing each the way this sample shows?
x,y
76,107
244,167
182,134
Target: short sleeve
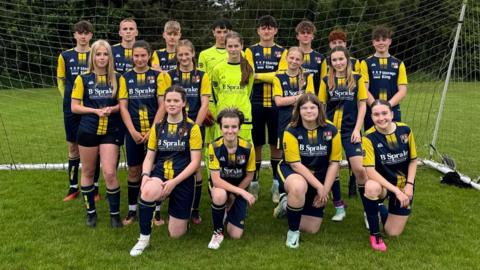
x,y
362,90
364,71
122,90
213,163
369,153
412,147
283,65
77,92
290,148
249,57
310,88
152,139
61,67
277,88
251,160
322,93
206,87
165,83
402,75
195,138
336,153
155,60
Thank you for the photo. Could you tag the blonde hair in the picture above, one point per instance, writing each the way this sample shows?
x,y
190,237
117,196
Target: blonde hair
x,y
301,78
331,71
172,26
127,20
111,77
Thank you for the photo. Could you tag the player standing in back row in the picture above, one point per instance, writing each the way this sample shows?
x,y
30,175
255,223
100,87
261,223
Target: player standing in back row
x,y
385,76
264,57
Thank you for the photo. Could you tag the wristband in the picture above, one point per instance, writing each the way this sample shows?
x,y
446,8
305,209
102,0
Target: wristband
x,y
145,174
411,183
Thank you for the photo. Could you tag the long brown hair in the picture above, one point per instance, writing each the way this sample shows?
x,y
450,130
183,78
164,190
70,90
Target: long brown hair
x,y
183,94
247,70
111,77
331,71
308,97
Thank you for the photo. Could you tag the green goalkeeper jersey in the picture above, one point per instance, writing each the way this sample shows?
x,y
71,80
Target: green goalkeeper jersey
x,y
227,90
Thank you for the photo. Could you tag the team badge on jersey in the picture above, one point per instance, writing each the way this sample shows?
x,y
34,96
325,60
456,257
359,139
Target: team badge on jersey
x,y
278,54
394,65
318,59
241,159
197,79
404,138
327,135
151,79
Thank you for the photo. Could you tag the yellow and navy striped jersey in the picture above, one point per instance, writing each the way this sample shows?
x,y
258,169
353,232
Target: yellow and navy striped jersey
x,y
265,59
314,148
287,86
233,167
390,154
384,75
167,61
172,143
313,63
95,92
228,92
341,103
196,84
70,64
142,91
122,58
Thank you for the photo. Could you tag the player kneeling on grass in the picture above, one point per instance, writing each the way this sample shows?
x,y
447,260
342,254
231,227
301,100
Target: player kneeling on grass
x,y
312,151
232,166
174,146
391,165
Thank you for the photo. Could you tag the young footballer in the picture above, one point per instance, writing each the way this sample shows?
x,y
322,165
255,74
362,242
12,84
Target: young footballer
x,y
338,37
122,52
232,82
232,165
94,97
312,151
385,76
139,106
173,157
198,87
71,63
288,86
265,56
390,161
207,60
344,94
165,59
312,60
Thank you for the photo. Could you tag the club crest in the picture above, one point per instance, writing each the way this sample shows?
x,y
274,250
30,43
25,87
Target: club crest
x,y
404,138
327,135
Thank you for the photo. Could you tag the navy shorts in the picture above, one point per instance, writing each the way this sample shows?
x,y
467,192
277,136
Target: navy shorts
x,y
261,117
368,123
238,212
394,205
284,170
71,122
351,149
135,152
91,140
181,199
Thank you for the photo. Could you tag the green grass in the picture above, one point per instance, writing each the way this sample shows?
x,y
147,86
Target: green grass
x,y
39,231
31,123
